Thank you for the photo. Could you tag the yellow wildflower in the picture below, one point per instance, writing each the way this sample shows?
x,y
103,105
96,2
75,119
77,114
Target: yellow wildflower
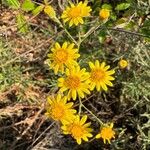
x,y
106,133
78,129
75,83
75,13
104,14
61,56
123,63
59,110
100,77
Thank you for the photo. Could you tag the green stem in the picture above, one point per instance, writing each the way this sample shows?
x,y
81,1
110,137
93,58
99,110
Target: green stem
x,y
89,33
80,106
61,25
93,115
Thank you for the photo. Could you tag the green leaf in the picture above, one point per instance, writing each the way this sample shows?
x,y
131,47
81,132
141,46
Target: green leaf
x,y
28,5
107,6
122,6
38,9
145,29
101,36
22,24
13,4
113,16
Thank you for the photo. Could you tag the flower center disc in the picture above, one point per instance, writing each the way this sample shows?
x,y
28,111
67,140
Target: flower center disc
x,y
97,75
61,56
73,82
77,131
75,12
58,112
107,133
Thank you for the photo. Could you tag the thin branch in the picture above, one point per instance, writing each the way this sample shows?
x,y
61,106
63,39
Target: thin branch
x,y
129,32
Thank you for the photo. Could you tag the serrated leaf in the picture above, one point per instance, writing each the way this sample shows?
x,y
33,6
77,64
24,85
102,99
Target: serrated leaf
x,y
122,6
38,9
107,6
28,5
21,23
13,4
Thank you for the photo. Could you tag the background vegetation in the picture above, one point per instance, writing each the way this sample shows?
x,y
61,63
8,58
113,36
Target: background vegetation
x,y
26,80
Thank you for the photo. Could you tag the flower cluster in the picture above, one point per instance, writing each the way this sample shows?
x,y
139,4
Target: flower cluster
x,y
76,82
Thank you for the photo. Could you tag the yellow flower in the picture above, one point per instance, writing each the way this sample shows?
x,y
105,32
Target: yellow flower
x,y
104,14
78,129
75,13
59,110
75,83
61,56
106,133
123,63
100,77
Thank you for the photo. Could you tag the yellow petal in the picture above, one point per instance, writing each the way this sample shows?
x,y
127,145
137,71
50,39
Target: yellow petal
x,y
106,68
57,45
70,23
110,72
108,83
92,86
76,22
80,20
102,65
103,85
98,87
58,97
63,89
64,46
97,63
56,69
79,141
80,93
110,78
74,94
91,65
111,125
85,138
83,119
71,46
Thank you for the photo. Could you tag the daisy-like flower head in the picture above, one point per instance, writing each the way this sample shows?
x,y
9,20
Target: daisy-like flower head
x,y
100,77
75,13
78,129
61,56
59,110
106,133
123,63
104,14
75,83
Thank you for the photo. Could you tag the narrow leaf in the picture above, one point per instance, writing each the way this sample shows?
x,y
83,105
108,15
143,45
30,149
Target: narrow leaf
x,y
122,6
13,3
38,9
21,23
28,5
107,6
